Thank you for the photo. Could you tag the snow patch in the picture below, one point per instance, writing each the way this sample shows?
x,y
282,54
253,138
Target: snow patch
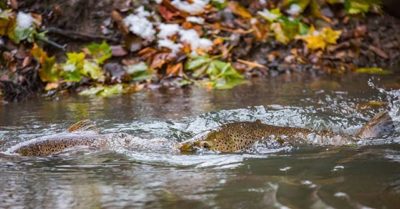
x,y
294,10
196,7
192,37
24,20
197,20
140,25
167,30
167,43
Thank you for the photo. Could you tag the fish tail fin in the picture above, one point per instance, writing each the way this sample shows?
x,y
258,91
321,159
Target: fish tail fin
x,y
380,125
83,125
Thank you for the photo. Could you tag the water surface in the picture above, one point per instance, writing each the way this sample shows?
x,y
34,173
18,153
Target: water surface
x,y
365,175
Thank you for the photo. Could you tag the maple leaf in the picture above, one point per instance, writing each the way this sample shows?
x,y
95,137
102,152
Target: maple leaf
x,y
320,39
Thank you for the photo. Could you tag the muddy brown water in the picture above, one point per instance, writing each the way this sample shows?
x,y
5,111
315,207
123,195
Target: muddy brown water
x,y
360,176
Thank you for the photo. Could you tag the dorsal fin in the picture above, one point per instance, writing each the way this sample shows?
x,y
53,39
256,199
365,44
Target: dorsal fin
x,y
83,125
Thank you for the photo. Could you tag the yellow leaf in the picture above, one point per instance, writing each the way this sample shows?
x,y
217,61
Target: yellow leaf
x,y
239,10
373,71
331,36
315,42
320,39
279,33
49,71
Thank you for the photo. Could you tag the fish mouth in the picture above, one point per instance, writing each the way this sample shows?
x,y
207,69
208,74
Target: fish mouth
x,y
191,147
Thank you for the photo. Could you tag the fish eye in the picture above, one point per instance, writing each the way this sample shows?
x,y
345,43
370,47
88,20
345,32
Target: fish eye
x,y
205,144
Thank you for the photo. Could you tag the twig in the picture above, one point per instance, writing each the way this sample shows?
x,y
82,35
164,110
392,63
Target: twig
x,y
50,42
252,64
78,36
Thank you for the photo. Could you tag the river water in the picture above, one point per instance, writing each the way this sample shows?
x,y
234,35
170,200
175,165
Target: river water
x,y
359,176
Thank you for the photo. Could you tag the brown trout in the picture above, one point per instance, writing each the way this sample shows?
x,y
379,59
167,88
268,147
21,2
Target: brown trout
x,y
240,136
232,137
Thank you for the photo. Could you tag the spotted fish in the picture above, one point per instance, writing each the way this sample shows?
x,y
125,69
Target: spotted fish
x,y
82,133
240,136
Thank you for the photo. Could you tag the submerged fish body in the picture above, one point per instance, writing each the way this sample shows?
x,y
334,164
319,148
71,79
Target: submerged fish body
x,y
56,143
232,137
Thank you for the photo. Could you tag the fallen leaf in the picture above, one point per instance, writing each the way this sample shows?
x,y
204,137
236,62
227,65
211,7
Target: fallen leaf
x,y
174,69
373,71
239,10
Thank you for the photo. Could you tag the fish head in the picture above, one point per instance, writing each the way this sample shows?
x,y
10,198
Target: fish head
x,y
193,146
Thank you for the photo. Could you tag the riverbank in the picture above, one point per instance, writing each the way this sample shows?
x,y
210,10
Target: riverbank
x,y
214,44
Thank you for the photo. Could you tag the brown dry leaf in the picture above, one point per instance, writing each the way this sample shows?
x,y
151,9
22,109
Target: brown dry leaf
x,y
27,61
119,20
14,4
160,59
174,69
218,41
239,10
37,19
378,51
260,31
147,52
167,14
51,86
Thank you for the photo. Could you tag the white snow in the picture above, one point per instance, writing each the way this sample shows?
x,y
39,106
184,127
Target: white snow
x,y
167,43
167,30
192,37
141,12
193,19
140,25
24,20
294,10
69,67
196,7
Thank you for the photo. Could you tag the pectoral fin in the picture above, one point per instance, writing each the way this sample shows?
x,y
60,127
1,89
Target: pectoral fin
x,y
83,125
380,125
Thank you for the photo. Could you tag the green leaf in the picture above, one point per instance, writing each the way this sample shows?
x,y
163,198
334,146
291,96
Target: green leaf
x,y
49,71
91,91
356,7
139,71
223,75
100,52
197,62
373,71
103,91
72,76
73,67
111,90
93,70
270,15
219,4
20,34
